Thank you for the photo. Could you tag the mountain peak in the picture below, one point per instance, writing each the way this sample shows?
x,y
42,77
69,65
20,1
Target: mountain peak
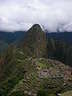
x,y
35,42
35,28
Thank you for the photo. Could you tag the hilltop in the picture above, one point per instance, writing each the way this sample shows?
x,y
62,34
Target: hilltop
x,y
34,43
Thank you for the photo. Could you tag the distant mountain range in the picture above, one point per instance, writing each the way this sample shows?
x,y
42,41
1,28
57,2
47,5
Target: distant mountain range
x,y
10,37
63,36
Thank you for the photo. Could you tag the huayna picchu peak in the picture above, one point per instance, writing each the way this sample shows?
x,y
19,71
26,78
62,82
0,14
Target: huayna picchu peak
x,y
35,44
36,28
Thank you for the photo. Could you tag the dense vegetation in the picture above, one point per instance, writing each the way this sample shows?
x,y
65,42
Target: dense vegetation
x,y
59,50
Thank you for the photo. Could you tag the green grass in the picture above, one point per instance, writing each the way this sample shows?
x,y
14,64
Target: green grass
x,y
18,93
43,63
42,66
68,93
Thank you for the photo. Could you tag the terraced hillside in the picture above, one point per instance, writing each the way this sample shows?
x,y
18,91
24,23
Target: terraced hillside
x,y
29,76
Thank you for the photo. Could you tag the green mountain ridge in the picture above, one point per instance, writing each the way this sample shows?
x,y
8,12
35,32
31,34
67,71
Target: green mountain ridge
x,y
34,43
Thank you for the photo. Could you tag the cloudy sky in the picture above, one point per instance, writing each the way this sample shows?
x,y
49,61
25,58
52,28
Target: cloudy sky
x,y
22,14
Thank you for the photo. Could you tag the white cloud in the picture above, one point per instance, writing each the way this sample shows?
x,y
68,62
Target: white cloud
x,y
21,14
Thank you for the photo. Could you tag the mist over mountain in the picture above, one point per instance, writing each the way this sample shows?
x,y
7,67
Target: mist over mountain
x,y
10,37
14,14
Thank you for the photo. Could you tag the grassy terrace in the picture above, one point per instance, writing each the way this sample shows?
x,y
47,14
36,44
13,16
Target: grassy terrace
x,y
68,93
24,80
